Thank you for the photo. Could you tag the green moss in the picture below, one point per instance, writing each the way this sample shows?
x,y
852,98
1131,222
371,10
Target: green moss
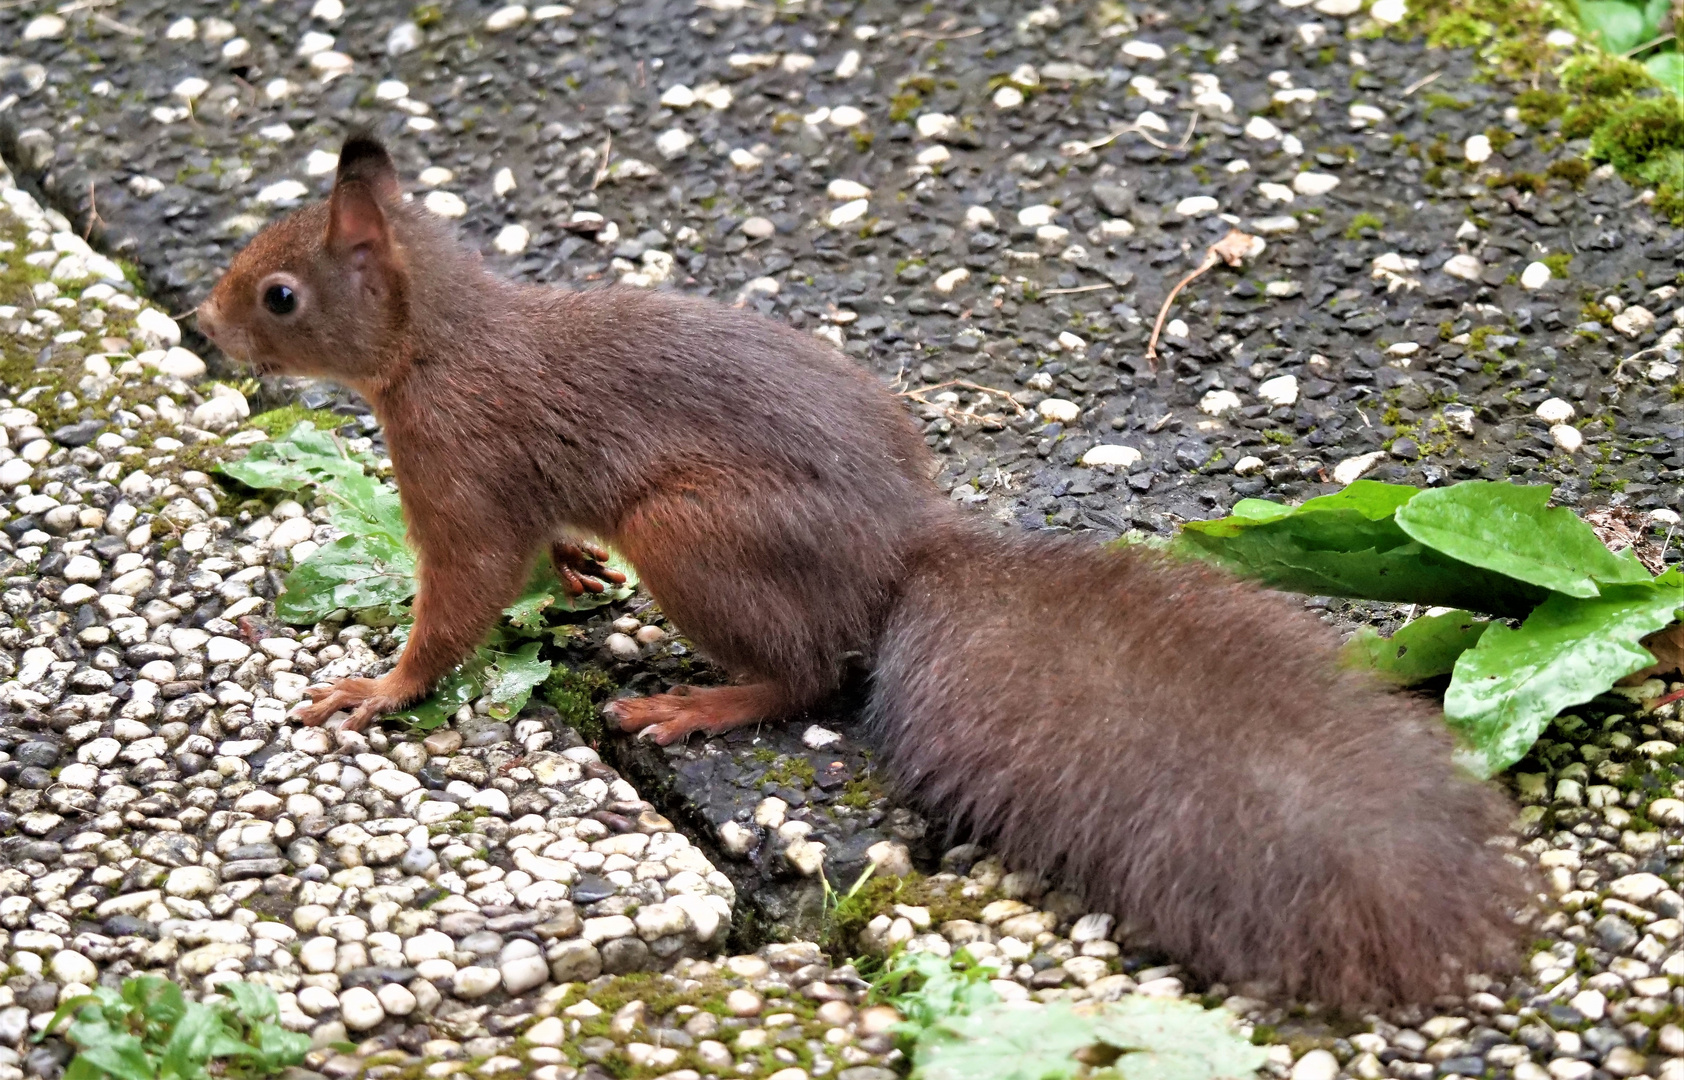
x,y
1596,74
1572,170
1279,438
1639,132
1538,107
849,913
1459,30
277,422
904,105
576,694
1669,204
790,770
1532,182
1364,220
1584,118
860,792
1558,263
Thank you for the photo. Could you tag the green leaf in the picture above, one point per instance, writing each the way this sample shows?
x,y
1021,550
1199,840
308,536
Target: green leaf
x,y
510,678
455,690
252,1001
1348,544
1005,1042
118,1054
1508,529
352,572
303,458
1621,25
1422,649
1668,70
70,1007
1175,1040
277,1047
1506,689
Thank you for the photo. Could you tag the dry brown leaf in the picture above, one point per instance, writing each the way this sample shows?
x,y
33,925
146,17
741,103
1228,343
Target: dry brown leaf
x,y
1233,249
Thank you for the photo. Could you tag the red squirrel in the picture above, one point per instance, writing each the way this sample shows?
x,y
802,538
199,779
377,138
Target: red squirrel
x,y
1181,747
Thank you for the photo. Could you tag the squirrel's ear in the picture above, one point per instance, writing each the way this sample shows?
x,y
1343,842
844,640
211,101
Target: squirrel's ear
x,y
356,219
364,159
365,182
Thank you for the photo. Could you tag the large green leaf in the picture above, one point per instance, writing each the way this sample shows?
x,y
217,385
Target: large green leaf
x,y
304,457
1005,1042
1622,25
1175,1040
1506,689
352,572
1348,544
1668,70
1421,650
1509,529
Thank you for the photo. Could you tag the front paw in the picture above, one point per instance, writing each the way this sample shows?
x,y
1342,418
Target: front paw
x,y
364,698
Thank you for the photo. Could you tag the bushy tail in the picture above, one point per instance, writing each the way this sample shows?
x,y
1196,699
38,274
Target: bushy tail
x,y
1183,749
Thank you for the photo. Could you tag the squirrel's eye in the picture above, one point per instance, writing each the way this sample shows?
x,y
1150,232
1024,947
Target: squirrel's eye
x,y
280,300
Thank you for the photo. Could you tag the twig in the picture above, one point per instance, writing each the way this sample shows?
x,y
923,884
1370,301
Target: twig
x,y
1158,424
1665,699
960,415
1081,289
1134,129
1232,249
93,213
602,166
927,35
1422,81
1662,40
122,28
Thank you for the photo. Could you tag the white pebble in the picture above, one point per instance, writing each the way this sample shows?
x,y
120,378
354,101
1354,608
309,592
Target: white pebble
x,y
1466,267
1535,276
1314,183
1477,149
1111,454
1281,390
1555,411
1352,468
1218,402
1059,410
360,1009
505,18
512,239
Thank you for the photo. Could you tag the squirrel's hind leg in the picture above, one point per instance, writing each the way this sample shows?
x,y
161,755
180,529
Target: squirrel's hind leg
x,y
713,710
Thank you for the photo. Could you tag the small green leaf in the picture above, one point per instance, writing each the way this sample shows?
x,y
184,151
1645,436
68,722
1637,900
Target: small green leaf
x,y
1619,26
252,1001
510,678
1668,70
1506,689
119,1055
1423,649
1509,529
455,690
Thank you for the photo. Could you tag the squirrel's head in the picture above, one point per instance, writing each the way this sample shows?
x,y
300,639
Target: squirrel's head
x,y
324,291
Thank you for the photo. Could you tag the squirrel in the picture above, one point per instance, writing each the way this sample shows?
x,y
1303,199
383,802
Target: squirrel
x,y
1182,748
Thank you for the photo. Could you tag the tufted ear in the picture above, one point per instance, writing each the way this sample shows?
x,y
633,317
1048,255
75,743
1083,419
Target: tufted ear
x,y
365,181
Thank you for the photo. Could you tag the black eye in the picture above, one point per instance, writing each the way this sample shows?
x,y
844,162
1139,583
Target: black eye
x,y
280,300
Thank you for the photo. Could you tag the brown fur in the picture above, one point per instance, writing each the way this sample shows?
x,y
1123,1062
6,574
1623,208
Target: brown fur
x,y
1180,745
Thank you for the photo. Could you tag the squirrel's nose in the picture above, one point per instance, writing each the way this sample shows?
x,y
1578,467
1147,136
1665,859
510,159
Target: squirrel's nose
x,y
206,314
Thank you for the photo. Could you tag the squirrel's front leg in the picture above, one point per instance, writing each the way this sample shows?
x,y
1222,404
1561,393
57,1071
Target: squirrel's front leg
x,y
461,593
